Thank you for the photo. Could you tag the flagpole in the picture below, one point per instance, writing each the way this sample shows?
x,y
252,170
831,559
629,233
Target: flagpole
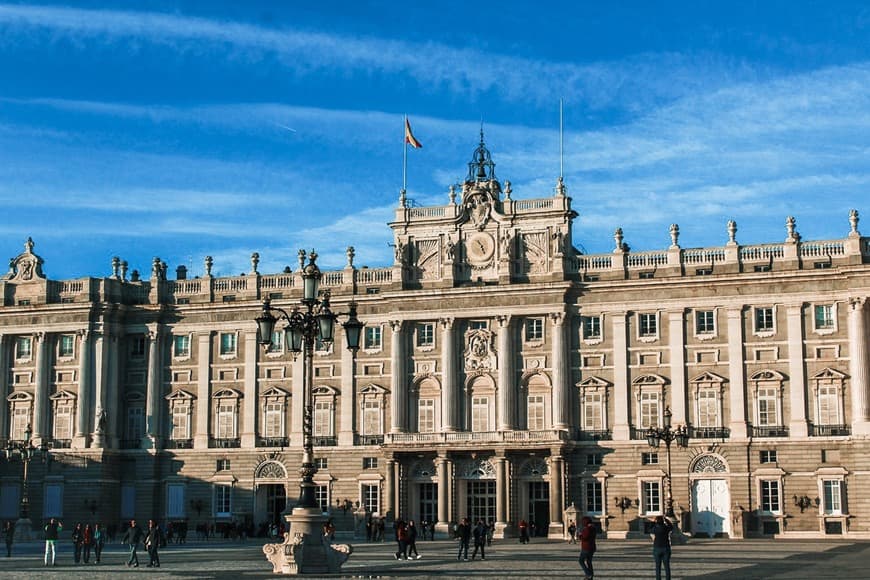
x,y
561,141
404,155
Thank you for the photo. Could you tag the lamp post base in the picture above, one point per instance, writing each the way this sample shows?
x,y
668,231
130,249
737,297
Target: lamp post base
x,y
23,530
305,550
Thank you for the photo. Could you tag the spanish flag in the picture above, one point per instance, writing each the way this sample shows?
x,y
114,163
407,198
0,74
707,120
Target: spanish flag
x,y
409,137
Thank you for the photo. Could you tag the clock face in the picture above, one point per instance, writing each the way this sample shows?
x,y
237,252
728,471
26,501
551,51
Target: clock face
x,y
480,248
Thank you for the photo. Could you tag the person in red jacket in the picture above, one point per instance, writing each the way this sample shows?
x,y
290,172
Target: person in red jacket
x,y
587,546
87,542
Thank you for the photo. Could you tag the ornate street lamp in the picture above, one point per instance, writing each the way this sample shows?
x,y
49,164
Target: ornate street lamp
x,y
305,326
667,435
25,451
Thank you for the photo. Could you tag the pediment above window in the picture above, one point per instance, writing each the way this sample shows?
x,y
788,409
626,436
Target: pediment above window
x,y
767,375
62,396
275,392
227,394
708,377
649,380
829,373
180,395
20,397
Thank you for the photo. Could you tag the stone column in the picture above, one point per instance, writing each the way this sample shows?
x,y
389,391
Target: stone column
x,y
557,478
560,380
106,392
858,366
501,495
4,384
621,387
348,400
797,392
737,374
41,402
251,400
449,398
297,410
203,391
83,404
389,492
507,388
442,527
154,399
677,336
399,394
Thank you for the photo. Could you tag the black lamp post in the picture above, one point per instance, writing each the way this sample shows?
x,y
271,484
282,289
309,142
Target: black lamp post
x,y
304,327
666,434
26,451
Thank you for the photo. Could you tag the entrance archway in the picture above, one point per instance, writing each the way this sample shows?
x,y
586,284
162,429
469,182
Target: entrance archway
x,y
270,495
711,497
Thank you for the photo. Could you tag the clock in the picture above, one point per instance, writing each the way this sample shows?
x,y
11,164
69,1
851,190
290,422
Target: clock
x,y
479,248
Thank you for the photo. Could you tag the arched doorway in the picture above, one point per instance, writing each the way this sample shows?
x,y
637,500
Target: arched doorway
x,y
711,496
534,495
475,490
270,485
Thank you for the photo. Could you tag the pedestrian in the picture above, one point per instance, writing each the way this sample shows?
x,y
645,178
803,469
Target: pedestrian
x,y
132,537
661,532
479,540
490,532
463,532
412,540
87,542
524,532
9,534
572,532
154,539
77,539
52,528
401,540
587,546
99,542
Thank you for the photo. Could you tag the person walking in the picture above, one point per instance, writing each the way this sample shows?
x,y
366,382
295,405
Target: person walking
x,y
87,542
587,546
572,532
99,542
154,539
77,538
661,532
479,540
401,540
524,532
412,540
133,536
463,532
52,529
9,535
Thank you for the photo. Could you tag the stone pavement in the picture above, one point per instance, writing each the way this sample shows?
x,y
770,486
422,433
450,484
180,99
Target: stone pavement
x,y
616,559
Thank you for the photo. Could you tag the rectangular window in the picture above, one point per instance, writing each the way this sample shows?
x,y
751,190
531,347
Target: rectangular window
x,y
649,410
175,500
764,319
135,422
648,324
23,347
322,419
478,325
371,495
223,501
829,406
63,422
770,496
480,414
137,347
649,458
371,418
321,495
226,420
180,421
536,413
372,337
594,459
370,462
425,334
534,329
20,421
66,346
273,426
767,407
321,463
824,316
652,497
228,344
181,345
767,456
591,327
277,344
222,465
593,412
426,416
704,322
594,497
833,499
708,408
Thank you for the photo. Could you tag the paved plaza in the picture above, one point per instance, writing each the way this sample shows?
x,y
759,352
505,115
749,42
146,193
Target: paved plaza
x,y
616,559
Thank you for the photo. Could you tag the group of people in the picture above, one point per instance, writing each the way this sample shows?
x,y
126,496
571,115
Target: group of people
x,y
87,538
481,533
661,534
406,538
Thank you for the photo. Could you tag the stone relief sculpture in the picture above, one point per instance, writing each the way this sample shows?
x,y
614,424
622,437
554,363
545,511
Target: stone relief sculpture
x,y
427,266
535,252
479,350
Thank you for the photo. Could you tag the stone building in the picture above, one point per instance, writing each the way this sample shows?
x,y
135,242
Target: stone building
x,y
504,375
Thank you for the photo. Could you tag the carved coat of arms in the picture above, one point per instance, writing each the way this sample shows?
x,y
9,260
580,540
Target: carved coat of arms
x,y
479,350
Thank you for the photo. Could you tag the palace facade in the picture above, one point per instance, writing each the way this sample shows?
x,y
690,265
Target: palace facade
x,y
504,375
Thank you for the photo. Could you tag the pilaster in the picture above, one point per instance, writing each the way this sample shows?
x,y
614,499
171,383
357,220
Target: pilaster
x,y
449,399
203,393
560,381
677,339
858,366
153,400
398,394
251,399
4,383
507,389
85,388
797,397
621,431
40,398
347,427
737,374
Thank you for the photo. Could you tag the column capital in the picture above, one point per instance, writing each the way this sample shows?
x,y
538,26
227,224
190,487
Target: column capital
x,y
396,325
558,318
504,320
857,302
447,323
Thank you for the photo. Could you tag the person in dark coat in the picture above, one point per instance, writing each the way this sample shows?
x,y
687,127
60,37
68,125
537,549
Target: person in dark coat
x,y
524,532
154,538
587,546
78,538
132,537
87,542
52,529
661,532
402,540
463,532
412,540
99,542
479,540
9,536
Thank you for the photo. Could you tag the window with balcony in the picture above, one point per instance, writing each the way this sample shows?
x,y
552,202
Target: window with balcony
x,y
480,414
135,420
226,416
273,403
650,406
593,411
63,420
372,400
180,409
828,386
21,406
371,417
767,407
426,416
535,411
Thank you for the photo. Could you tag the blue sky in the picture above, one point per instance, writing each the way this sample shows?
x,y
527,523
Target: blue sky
x,y
185,129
